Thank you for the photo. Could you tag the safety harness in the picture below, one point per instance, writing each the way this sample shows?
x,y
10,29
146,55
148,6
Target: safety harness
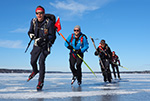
x,y
102,48
81,40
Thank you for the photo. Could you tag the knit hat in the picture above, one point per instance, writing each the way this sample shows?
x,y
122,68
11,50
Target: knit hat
x,y
77,26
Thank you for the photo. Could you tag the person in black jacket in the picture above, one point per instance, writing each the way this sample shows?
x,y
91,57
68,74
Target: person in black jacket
x,y
105,54
115,59
42,32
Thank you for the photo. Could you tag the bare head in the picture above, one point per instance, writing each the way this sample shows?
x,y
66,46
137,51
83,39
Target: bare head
x,y
77,31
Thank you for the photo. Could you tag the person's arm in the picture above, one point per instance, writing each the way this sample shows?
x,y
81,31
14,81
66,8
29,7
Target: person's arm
x,y
31,32
68,40
97,51
118,60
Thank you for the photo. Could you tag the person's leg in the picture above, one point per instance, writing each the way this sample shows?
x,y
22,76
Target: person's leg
x,y
42,67
103,70
107,65
72,62
113,67
118,72
42,59
34,57
79,69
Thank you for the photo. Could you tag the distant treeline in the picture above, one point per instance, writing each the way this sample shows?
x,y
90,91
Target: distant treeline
x,y
21,71
29,71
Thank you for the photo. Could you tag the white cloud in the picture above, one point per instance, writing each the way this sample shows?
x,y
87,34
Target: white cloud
x,y
11,44
20,30
77,7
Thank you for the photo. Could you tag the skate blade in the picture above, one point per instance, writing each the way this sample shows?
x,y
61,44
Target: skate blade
x,y
39,90
72,83
28,80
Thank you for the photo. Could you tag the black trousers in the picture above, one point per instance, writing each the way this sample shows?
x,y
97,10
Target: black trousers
x,y
41,54
76,71
105,68
113,67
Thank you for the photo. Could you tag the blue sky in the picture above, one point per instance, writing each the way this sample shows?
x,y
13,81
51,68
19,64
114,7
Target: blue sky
x,y
124,24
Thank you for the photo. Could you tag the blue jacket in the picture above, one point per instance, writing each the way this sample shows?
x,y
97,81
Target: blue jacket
x,y
80,45
49,26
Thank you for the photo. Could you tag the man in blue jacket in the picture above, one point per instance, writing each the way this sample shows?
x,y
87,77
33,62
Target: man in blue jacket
x,y
43,33
78,41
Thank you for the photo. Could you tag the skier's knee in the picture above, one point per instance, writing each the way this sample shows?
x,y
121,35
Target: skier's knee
x,y
41,62
33,63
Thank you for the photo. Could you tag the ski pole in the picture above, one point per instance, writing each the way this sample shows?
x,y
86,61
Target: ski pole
x,y
98,54
77,54
29,44
105,53
119,65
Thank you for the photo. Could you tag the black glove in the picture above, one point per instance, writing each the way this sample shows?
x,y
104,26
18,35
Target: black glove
x,y
78,51
70,47
42,42
96,53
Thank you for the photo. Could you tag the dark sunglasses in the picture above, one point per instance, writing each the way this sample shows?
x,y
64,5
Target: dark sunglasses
x,y
76,30
39,12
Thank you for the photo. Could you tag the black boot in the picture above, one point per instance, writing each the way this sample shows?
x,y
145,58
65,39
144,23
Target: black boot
x,y
105,76
32,75
109,77
73,79
79,83
105,79
39,86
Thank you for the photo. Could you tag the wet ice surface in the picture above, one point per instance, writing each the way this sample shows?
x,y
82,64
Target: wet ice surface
x,y
132,87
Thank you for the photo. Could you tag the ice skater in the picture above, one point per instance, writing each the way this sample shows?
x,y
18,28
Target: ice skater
x,y
105,54
115,59
77,41
43,33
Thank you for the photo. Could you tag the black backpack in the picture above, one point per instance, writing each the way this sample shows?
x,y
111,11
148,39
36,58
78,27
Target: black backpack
x,y
52,18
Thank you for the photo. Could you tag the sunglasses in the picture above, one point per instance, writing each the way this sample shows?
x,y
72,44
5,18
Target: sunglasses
x,y
39,12
76,30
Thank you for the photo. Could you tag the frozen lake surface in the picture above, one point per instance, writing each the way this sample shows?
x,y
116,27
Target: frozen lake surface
x,y
132,87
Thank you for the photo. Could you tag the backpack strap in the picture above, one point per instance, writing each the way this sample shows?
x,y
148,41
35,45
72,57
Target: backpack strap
x,y
34,23
71,39
45,26
101,47
81,39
